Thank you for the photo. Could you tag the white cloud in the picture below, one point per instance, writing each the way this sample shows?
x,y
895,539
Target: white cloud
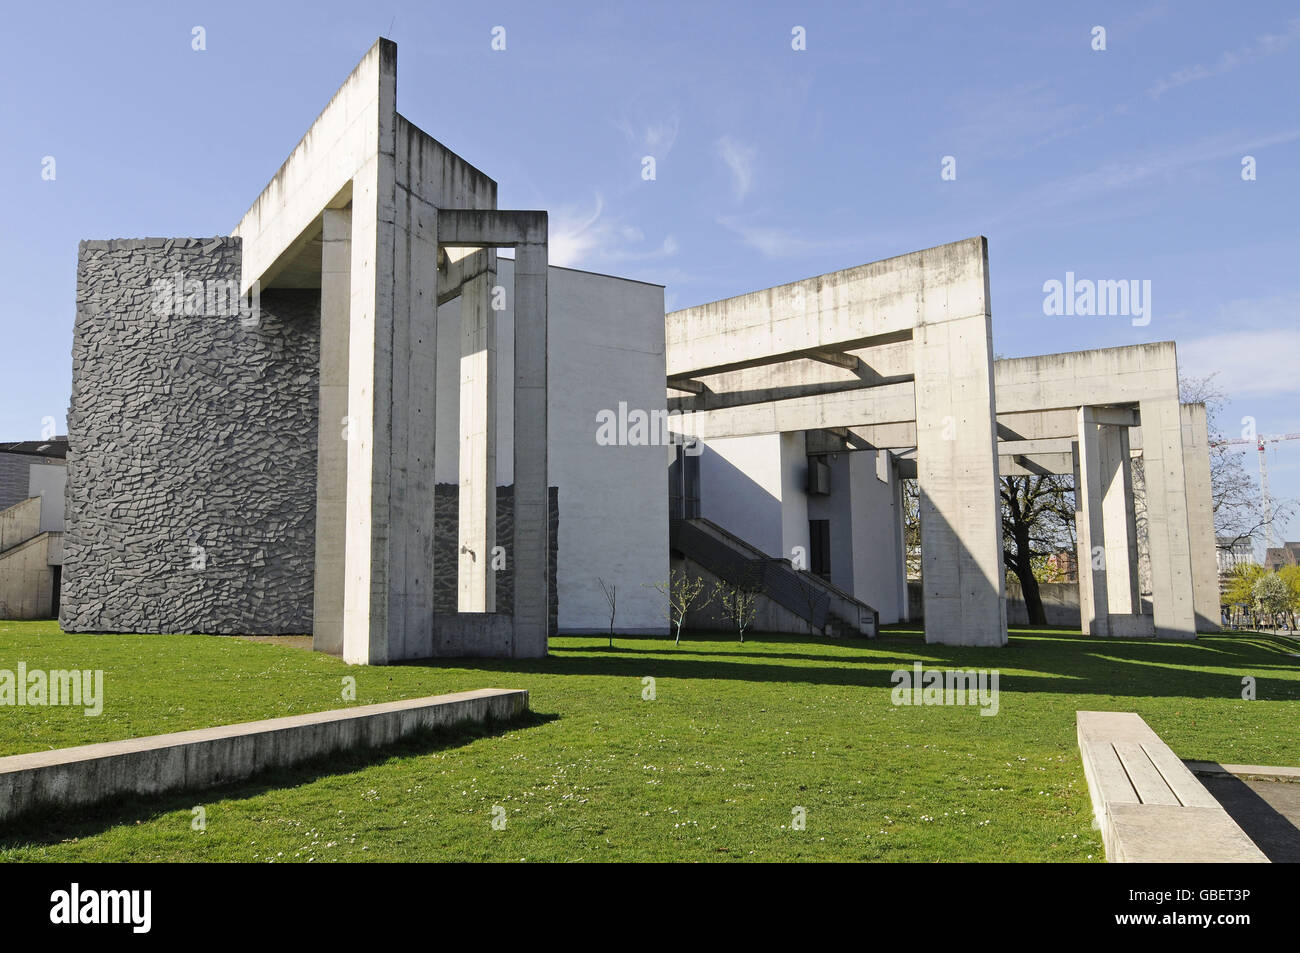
x,y
586,238
739,158
1253,360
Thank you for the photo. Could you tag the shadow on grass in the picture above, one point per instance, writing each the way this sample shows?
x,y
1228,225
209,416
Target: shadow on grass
x,y
1055,662
1270,829
53,824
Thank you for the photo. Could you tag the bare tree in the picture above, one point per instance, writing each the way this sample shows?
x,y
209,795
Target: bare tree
x,y
1235,494
611,596
683,593
740,603
1037,522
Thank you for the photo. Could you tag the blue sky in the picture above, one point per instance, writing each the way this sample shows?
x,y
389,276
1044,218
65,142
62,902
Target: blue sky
x,y
771,164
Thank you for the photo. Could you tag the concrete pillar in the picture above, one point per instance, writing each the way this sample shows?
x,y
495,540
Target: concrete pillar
x,y
1106,528
1200,517
478,437
531,550
388,589
1172,600
1120,524
331,433
963,577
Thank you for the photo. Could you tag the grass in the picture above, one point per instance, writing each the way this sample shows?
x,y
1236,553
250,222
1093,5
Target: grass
x,y
737,737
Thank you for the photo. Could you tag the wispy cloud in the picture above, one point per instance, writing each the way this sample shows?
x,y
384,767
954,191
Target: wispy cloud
x,y
739,159
581,237
773,241
1114,177
654,137
1257,357
1229,60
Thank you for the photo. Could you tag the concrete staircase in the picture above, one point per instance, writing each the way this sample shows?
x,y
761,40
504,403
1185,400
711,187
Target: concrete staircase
x,y
790,592
29,561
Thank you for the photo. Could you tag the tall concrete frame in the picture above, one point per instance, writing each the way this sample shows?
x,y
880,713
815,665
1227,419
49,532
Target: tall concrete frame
x,y
753,364
847,353
366,208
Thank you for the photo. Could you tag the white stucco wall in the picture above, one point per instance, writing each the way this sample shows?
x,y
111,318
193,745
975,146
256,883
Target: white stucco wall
x,y
876,513
741,489
605,345
47,481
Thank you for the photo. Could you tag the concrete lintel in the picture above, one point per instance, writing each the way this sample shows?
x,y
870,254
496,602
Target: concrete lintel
x,y
491,227
1105,376
831,312
892,403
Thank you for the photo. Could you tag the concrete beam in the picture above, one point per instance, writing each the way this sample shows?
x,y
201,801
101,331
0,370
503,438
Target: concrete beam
x,y
1120,375
891,403
834,312
491,228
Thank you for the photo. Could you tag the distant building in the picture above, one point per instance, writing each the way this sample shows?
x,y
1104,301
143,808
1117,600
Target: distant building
x,y
32,477
1232,553
1063,567
1276,557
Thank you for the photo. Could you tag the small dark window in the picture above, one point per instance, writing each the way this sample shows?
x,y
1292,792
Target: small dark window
x,y
819,544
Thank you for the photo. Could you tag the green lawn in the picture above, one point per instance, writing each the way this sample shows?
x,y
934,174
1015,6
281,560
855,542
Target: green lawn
x,y
712,769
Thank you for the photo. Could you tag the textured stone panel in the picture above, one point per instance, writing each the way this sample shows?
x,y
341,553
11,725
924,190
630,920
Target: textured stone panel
x,y
192,449
446,521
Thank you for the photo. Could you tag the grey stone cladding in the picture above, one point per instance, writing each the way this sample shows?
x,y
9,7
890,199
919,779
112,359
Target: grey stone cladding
x,y
192,446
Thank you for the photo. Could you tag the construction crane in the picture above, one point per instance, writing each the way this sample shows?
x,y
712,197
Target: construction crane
x,y
1260,443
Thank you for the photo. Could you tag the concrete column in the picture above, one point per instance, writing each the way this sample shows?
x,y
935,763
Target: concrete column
x,y
1106,529
1200,517
478,438
1119,521
331,433
1172,601
388,589
1090,527
531,549
957,469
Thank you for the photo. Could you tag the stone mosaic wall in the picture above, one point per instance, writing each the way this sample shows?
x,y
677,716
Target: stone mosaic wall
x,y
446,523
192,465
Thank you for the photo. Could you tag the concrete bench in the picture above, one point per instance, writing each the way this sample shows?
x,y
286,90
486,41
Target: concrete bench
x,y
1149,806
205,757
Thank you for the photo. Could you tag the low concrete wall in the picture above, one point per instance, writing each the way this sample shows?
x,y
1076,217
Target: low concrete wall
x,y
69,777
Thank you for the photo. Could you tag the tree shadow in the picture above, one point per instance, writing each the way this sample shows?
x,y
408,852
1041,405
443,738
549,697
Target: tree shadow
x,y
1036,661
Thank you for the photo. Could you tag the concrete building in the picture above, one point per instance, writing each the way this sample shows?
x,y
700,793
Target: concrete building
x,y
353,417
32,477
